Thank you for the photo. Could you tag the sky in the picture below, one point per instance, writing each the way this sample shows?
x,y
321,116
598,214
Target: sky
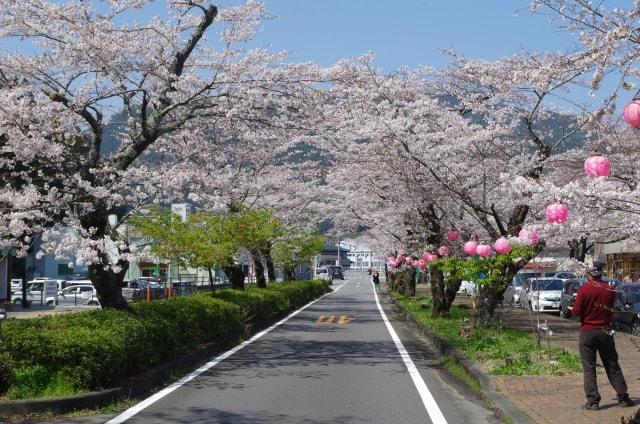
x,y
406,32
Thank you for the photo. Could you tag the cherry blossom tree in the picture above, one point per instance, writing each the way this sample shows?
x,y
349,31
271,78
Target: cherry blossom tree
x,y
477,133
80,64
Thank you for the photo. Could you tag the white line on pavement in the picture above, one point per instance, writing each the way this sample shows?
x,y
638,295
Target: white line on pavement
x,y
427,398
164,392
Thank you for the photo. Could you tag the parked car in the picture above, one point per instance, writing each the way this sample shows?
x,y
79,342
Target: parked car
x,y
568,296
322,274
79,295
39,291
513,295
137,289
16,284
564,275
626,311
468,288
69,283
543,294
336,272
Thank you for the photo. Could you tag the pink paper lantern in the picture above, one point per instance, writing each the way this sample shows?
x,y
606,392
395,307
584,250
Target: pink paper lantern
x,y
483,250
430,257
597,166
502,246
470,247
425,255
531,235
422,265
443,251
632,113
453,235
557,213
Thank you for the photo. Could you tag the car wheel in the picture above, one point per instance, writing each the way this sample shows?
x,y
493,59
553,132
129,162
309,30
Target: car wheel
x,y
17,301
93,303
635,328
49,303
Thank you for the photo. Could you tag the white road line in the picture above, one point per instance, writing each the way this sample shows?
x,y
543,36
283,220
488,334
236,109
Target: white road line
x,y
164,392
427,398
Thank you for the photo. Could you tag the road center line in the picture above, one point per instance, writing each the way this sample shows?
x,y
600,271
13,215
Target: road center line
x,y
427,398
164,392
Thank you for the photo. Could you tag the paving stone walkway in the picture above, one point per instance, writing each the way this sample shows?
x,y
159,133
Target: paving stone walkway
x,y
559,399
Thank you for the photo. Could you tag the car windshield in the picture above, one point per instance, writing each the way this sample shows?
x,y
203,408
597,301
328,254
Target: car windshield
x,y
634,296
521,277
543,285
321,271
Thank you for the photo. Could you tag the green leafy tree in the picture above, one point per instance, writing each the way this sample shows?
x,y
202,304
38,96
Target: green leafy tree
x,y
255,230
492,276
296,247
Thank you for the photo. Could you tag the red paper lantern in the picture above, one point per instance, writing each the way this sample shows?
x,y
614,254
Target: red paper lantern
x,y
453,235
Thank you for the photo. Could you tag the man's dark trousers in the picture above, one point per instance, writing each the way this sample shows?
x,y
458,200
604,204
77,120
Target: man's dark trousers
x,y
597,340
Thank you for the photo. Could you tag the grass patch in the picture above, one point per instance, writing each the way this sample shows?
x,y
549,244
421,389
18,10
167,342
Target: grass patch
x,y
502,352
461,374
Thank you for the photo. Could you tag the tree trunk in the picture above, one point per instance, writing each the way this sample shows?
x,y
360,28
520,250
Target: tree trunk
x,y
210,278
289,274
410,282
107,283
438,293
258,269
108,286
235,274
271,269
485,306
450,292
578,248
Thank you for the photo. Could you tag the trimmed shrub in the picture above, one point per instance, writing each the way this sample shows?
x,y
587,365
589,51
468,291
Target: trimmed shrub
x,y
66,354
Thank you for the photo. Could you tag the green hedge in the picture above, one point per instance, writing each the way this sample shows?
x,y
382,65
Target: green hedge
x,y
73,353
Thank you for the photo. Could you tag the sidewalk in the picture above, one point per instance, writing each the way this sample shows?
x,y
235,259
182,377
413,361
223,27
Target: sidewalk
x,y
558,399
38,310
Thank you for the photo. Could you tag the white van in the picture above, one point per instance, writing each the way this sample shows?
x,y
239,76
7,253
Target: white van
x,y
39,292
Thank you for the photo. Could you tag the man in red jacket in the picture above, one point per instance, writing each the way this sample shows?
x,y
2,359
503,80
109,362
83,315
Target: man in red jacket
x,y
594,304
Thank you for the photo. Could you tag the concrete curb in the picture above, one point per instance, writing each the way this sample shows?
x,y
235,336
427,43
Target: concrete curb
x,y
502,406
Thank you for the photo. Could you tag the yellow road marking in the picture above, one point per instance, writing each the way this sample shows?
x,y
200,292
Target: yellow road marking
x,y
344,319
328,320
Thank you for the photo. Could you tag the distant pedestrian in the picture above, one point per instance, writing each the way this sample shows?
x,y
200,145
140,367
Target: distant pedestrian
x,y
376,280
627,280
594,305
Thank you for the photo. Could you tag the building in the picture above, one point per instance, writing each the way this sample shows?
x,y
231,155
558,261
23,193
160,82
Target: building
x,y
333,254
620,259
362,257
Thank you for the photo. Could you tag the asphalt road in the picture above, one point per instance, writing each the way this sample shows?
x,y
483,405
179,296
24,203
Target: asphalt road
x,y
334,362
